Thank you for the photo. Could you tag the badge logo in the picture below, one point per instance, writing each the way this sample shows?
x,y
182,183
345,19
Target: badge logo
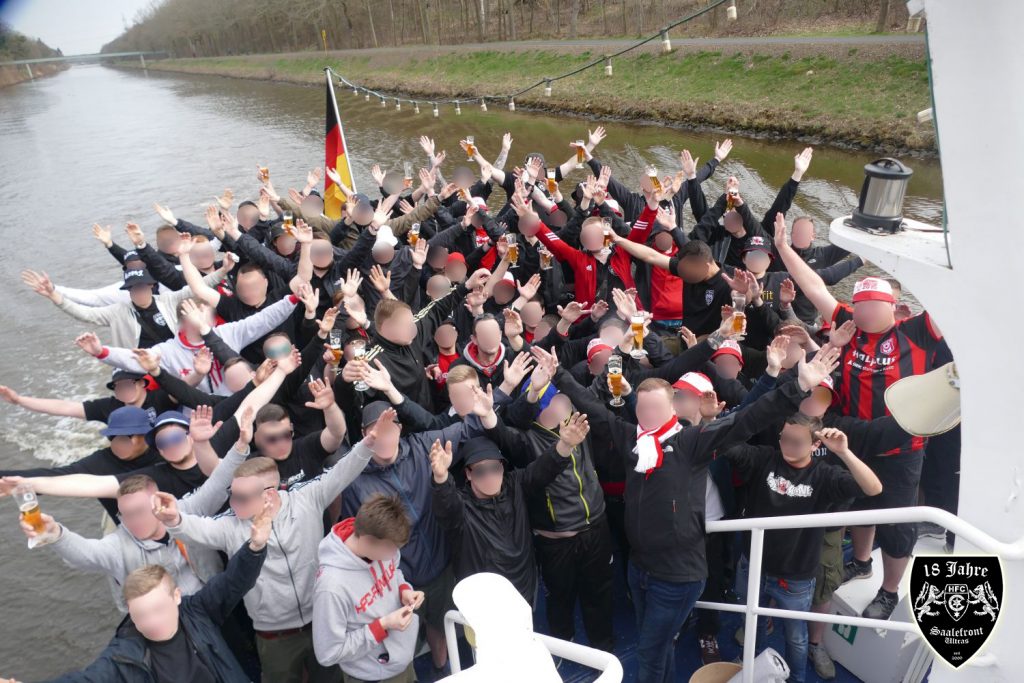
x,y
957,601
709,296
159,319
887,347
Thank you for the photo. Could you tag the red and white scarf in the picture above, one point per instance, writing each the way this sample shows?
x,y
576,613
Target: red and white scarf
x,y
648,445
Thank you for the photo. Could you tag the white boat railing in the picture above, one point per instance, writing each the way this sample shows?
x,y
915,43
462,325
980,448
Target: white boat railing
x,y
758,525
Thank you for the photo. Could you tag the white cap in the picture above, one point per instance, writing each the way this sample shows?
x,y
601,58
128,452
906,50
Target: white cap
x,y
928,404
385,237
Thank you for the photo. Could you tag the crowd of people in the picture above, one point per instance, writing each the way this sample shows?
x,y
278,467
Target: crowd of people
x,y
316,427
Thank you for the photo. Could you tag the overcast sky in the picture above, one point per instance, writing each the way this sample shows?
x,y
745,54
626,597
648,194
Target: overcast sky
x,y
74,26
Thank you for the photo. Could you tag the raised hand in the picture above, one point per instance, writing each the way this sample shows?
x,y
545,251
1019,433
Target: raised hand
x,y
89,343
245,421
594,137
262,524
264,371
9,395
440,460
528,289
513,323
263,204
349,287
200,426
418,254
710,406
688,337
624,304
521,365
483,401
380,280
378,175
427,144
405,207
780,232
506,141
689,164
214,220
377,376
291,362
314,177
598,309
323,395
102,235
134,233
195,314
722,149
40,284
387,417
833,439
787,293
573,432
801,162
326,324
810,375
165,508
225,200
798,334
546,360
776,353
479,278
571,312
165,213
302,232
202,361
842,335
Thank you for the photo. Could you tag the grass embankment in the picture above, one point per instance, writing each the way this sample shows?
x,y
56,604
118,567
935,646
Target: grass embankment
x,y
12,75
859,96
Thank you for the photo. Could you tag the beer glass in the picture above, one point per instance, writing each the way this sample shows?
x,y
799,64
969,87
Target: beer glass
x,y
288,222
615,380
581,154
739,321
335,345
513,250
28,506
359,356
470,149
636,327
406,175
414,234
545,257
652,173
264,174
730,199
552,183
606,249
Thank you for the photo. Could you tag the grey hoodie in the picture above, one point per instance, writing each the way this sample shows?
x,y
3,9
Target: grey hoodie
x,y
350,598
119,553
283,596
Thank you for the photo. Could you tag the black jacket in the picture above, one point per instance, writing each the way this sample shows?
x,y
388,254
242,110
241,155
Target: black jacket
x,y
126,658
494,534
665,509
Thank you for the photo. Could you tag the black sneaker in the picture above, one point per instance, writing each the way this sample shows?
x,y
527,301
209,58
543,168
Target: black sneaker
x,y
854,569
882,606
929,530
709,653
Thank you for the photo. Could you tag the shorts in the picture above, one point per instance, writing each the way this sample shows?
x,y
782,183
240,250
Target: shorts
x,y
900,476
830,568
437,598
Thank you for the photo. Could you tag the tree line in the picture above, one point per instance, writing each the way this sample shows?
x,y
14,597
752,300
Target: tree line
x,y
15,46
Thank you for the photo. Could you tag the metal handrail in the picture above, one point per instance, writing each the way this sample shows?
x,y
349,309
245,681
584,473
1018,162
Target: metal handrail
x,y
758,525
605,662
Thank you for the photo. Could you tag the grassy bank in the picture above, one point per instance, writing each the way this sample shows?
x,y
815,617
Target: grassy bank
x,y
858,96
12,75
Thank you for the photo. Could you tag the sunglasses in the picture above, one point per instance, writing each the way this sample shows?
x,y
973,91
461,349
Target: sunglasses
x,y
170,440
271,439
280,351
486,468
243,498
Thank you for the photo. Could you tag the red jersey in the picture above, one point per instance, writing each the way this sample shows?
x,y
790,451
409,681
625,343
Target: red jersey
x,y
666,293
444,361
872,362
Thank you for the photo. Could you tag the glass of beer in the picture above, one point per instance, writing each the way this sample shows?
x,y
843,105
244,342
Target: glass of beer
x,y
739,321
615,380
264,174
636,327
288,222
513,249
730,199
407,175
652,173
545,257
552,183
414,234
359,356
607,247
28,506
581,154
334,343
470,148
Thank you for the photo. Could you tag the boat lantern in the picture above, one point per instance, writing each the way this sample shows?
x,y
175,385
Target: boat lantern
x,y
881,197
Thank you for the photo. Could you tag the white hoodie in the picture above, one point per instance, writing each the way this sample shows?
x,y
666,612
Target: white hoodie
x,y
349,599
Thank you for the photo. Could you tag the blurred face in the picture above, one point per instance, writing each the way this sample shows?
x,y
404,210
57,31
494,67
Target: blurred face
x,y
400,328
383,253
531,314
141,295
559,409
128,391
247,216
486,477
284,245
463,177
312,205
803,233
438,286
797,444
663,241
874,317
817,403
686,405
757,262
528,227
128,447
202,256
728,366
362,214
274,439
167,241
376,549
592,235
136,513
445,336
277,346
392,184
251,287
249,493
461,396
321,254
504,292
733,223
437,258
487,335
385,448
597,364
155,614
455,271
693,269
542,329
612,335
174,443
237,376
653,408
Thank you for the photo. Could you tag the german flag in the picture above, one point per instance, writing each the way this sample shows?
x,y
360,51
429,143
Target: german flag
x,y
336,156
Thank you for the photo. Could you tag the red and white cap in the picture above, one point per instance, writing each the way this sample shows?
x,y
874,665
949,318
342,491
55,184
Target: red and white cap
x,y
694,382
827,383
613,205
873,289
594,347
729,348
507,279
481,203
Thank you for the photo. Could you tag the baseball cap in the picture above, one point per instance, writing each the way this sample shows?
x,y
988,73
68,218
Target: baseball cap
x,y
456,257
373,411
873,289
119,375
138,276
480,448
928,404
614,206
169,417
694,382
729,348
594,347
480,203
507,279
360,198
757,243
131,256
385,237
127,421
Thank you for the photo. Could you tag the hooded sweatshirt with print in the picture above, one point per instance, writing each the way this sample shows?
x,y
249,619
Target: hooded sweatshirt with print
x,y
350,597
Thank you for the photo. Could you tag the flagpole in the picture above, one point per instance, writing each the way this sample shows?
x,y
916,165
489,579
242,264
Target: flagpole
x,y
341,131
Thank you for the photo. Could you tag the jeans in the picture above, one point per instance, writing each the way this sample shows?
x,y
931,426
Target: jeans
x,y
661,608
794,594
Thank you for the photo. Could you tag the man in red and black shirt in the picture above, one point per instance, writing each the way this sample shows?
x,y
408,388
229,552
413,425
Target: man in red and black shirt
x,y
880,352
